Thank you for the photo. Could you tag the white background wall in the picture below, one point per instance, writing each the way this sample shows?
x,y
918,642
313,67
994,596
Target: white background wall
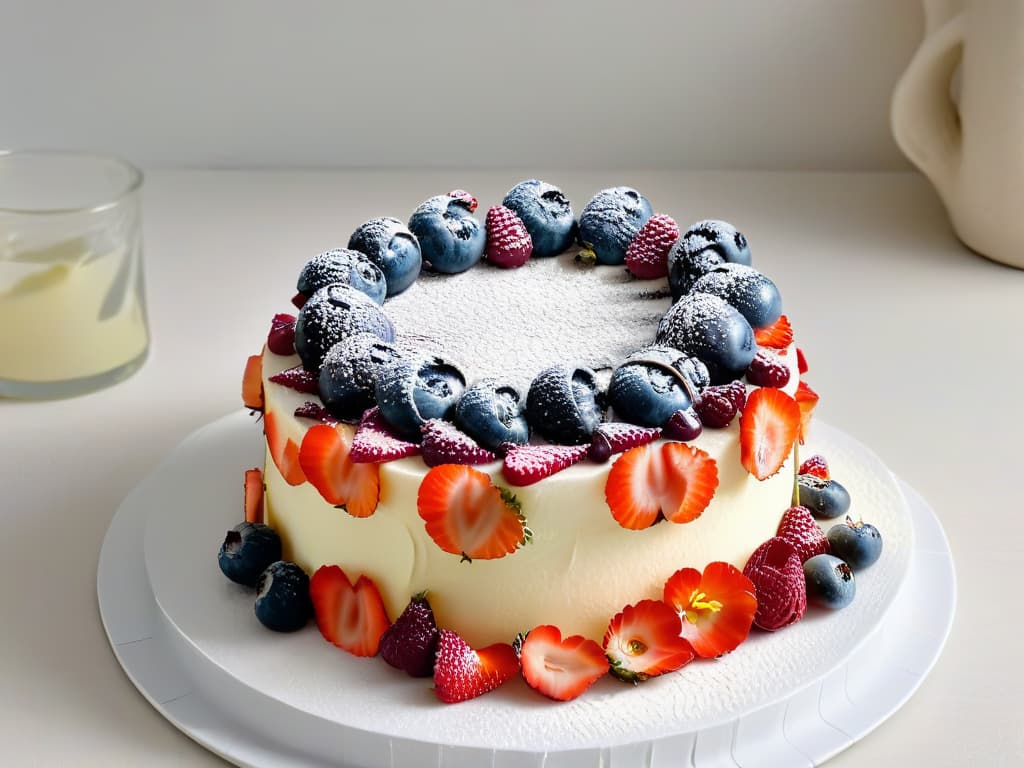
x,y
801,84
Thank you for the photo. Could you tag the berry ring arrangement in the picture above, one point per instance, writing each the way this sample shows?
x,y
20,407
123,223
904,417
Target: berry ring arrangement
x,y
535,457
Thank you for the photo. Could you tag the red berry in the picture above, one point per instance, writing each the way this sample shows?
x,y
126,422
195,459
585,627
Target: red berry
x,y
735,391
444,443
815,465
299,379
715,408
410,644
314,411
527,464
799,529
647,254
778,578
767,370
779,335
801,361
281,339
615,437
468,199
508,243
683,426
462,673
375,442
560,668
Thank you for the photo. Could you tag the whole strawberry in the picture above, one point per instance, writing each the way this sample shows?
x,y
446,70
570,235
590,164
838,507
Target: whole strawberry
x,y
508,243
799,529
410,644
778,578
647,254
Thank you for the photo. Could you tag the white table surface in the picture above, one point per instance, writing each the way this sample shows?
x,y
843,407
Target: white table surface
x,y
912,340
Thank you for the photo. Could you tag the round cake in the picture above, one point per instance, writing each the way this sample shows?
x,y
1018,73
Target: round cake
x,y
522,420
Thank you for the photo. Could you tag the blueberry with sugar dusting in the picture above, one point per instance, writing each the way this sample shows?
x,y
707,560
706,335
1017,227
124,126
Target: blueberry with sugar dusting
x,y
858,543
546,213
685,268
564,404
720,236
348,375
412,390
342,265
492,414
652,384
825,498
332,314
830,582
248,549
609,221
712,330
282,597
755,296
451,238
390,245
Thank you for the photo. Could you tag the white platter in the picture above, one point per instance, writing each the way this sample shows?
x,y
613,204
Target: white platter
x,y
189,641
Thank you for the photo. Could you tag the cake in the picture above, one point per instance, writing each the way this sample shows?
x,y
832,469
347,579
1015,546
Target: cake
x,y
603,439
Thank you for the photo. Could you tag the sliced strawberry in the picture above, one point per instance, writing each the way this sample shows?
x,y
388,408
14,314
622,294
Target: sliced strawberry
x,y
779,335
716,608
252,383
284,451
351,616
461,673
801,361
281,339
376,443
769,426
253,496
467,516
560,669
444,443
527,464
324,457
778,578
672,480
799,529
644,640
314,411
299,379
807,399
615,437
815,465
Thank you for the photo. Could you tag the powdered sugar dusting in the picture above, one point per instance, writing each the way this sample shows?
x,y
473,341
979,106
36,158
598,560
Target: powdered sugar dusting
x,y
512,323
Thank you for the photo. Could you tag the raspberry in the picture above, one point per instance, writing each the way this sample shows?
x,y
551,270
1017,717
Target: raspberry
x,y
799,529
735,391
767,370
815,465
281,339
778,577
715,409
508,243
647,254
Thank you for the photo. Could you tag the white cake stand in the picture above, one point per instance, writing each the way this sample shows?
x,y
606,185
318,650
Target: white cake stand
x,y
189,642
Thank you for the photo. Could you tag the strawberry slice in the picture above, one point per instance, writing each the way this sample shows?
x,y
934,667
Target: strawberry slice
x,y
815,465
644,640
284,451
801,361
672,480
281,339
560,669
299,379
461,673
252,383
324,457
444,443
615,437
527,464
769,425
314,411
716,608
253,496
351,616
466,515
375,442
778,335
807,399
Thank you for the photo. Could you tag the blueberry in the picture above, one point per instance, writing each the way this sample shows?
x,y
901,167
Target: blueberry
x,y
247,550
332,314
684,268
411,391
492,414
348,375
720,236
825,498
564,404
451,239
546,213
753,294
652,385
830,582
859,544
343,266
708,328
391,246
610,220
282,597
